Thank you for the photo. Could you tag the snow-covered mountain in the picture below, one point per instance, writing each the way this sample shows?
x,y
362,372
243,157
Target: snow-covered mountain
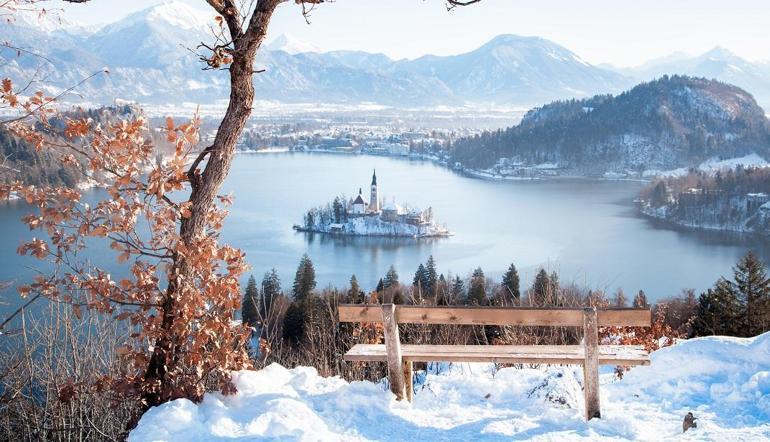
x,y
151,60
290,44
717,63
515,69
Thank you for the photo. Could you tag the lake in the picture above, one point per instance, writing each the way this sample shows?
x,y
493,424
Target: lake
x,y
588,231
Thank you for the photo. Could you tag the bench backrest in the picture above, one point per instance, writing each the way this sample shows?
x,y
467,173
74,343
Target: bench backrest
x,y
524,316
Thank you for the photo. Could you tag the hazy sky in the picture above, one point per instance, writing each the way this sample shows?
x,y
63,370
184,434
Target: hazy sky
x,y
621,32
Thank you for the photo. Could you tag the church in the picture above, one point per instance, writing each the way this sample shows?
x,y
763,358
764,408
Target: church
x,y
359,207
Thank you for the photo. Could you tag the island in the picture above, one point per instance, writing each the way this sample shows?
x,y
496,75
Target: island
x,y
356,217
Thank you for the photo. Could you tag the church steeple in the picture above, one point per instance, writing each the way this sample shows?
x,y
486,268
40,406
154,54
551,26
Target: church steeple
x,y
374,198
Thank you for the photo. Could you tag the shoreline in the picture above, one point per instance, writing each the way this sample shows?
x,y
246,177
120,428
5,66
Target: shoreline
x,y
298,228
701,227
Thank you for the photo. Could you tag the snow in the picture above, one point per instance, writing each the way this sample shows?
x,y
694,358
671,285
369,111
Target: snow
x,y
290,44
724,381
751,160
374,225
713,165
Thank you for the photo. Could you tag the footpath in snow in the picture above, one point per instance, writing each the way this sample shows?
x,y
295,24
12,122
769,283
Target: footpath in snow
x,y
724,381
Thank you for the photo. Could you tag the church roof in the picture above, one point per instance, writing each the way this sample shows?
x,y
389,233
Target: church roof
x,y
391,205
374,177
359,200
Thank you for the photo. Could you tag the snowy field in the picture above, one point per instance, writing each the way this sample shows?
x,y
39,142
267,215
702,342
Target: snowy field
x,y
725,382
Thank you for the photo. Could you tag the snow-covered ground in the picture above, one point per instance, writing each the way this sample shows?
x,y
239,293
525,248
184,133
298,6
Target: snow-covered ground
x,y
725,382
375,226
713,165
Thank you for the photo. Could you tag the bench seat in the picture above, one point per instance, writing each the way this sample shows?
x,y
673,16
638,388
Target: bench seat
x,y
626,355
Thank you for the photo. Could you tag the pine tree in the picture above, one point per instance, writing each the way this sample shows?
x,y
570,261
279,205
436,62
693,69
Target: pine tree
x,y
442,291
304,280
511,284
355,294
391,278
432,277
271,289
640,300
539,292
458,290
380,286
420,280
294,322
718,312
477,295
753,287
338,210
249,312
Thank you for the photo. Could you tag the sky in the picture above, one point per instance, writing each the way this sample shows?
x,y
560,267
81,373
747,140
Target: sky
x,y
618,32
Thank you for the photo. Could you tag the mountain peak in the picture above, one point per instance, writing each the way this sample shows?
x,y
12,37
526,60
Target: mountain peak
x,y
170,13
290,44
719,52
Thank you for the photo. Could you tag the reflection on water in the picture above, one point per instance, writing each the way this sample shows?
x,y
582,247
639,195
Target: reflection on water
x,y
588,231
373,243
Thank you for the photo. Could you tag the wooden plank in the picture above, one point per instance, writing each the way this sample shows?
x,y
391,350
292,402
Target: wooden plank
x,y
409,378
591,364
626,355
522,316
393,351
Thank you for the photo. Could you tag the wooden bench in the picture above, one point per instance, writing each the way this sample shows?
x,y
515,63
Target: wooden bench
x,y
590,354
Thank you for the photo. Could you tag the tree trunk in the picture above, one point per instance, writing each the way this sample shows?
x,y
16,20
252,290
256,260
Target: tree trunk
x,y
205,185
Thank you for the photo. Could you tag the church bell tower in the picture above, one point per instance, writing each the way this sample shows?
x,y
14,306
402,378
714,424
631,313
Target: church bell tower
x,y
374,200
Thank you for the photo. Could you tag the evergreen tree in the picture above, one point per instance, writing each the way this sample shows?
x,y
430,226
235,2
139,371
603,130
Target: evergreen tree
x,y
338,210
539,292
304,280
420,281
391,278
442,291
511,284
718,311
294,322
271,289
355,294
477,294
249,312
380,286
753,287
432,277
640,300
458,291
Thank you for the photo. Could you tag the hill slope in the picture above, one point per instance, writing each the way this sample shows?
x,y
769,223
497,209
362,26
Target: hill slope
x,y
665,124
725,382
717,63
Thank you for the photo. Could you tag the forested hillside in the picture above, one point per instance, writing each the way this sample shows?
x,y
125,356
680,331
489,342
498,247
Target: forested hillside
x,y
665,124
22,162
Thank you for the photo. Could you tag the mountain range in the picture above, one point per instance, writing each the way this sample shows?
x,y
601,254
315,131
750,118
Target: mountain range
x,y
151,59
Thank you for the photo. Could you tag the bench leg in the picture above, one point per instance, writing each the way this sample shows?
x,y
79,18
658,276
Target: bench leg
x,y
393,348
409,378
591,363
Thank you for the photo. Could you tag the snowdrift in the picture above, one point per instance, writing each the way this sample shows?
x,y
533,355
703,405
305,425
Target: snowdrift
x,y
724,381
